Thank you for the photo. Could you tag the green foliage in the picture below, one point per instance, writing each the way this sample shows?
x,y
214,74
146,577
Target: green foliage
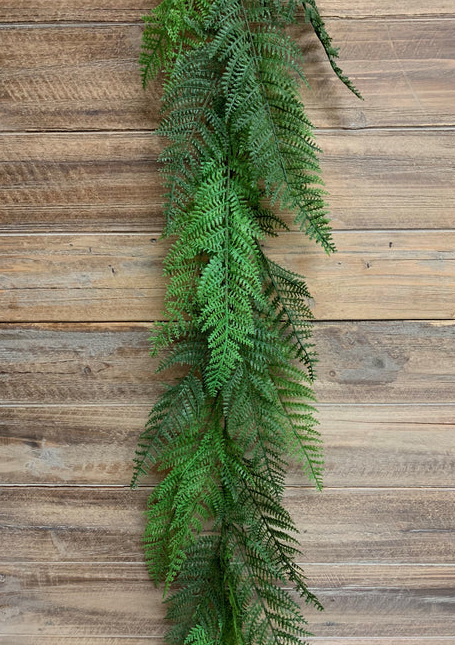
x,y
169,28
236,324
314,17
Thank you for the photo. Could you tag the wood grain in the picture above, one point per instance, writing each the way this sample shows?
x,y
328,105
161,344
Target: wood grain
x,y
110,181
87,77
338,525
102,278
157,640
360,362
131,10
119,600
382,445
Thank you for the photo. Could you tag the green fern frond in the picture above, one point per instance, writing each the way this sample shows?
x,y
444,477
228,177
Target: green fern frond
x,y
236,324
264,107
198,636
314,17
169,28
179,408
289,296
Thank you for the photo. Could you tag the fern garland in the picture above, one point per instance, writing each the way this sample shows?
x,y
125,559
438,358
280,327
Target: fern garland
x,y
240,149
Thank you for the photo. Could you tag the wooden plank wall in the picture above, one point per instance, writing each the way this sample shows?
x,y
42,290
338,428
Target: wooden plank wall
x,y
80,284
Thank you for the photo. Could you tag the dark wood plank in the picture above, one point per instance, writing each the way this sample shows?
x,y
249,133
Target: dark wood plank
x,y
77,78
375,275
360,362
338,525
82,600
110,181
365,445
128,10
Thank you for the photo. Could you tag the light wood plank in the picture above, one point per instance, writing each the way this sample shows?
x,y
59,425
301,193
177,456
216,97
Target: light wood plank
x,y
157,640
383,8
76,78
32,639
360,362
337,525
110,181
131,10
393,445
83,600
83,181
374,275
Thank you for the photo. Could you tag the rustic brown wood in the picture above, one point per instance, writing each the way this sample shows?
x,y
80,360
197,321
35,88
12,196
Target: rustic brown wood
x,y
392,445
113,10
107,640
110,182
374,275
119,600
360,362
338,525
131,10
385,574
80,181
156,640
87,77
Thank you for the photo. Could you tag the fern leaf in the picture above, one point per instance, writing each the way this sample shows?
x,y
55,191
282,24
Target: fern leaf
x,y
239,147
314,17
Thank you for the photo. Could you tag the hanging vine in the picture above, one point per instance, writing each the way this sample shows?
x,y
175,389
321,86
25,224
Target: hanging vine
x,y
240,150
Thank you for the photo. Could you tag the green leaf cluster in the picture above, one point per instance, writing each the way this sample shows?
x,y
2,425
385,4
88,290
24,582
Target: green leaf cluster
x,y
237,325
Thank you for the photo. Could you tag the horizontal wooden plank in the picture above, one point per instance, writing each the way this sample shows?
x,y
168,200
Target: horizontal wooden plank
x,y
110,181
83,181
360,362
76,524
385,445
32,639
383,8
83,600
374,275
157,640
131,10
77,78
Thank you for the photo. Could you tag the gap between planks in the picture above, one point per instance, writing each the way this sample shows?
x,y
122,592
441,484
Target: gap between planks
x,y
81,24
396,129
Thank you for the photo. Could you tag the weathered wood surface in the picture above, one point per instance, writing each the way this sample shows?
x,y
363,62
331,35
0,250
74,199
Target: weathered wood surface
x,y
83,390
379,445
42,11
109,181
117,599
87,77
338,525
157,640
360,362
374,275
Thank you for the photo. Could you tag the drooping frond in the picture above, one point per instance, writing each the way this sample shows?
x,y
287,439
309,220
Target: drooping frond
x,y
236,326
289,298
194,128
314,17
262,66
179,408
